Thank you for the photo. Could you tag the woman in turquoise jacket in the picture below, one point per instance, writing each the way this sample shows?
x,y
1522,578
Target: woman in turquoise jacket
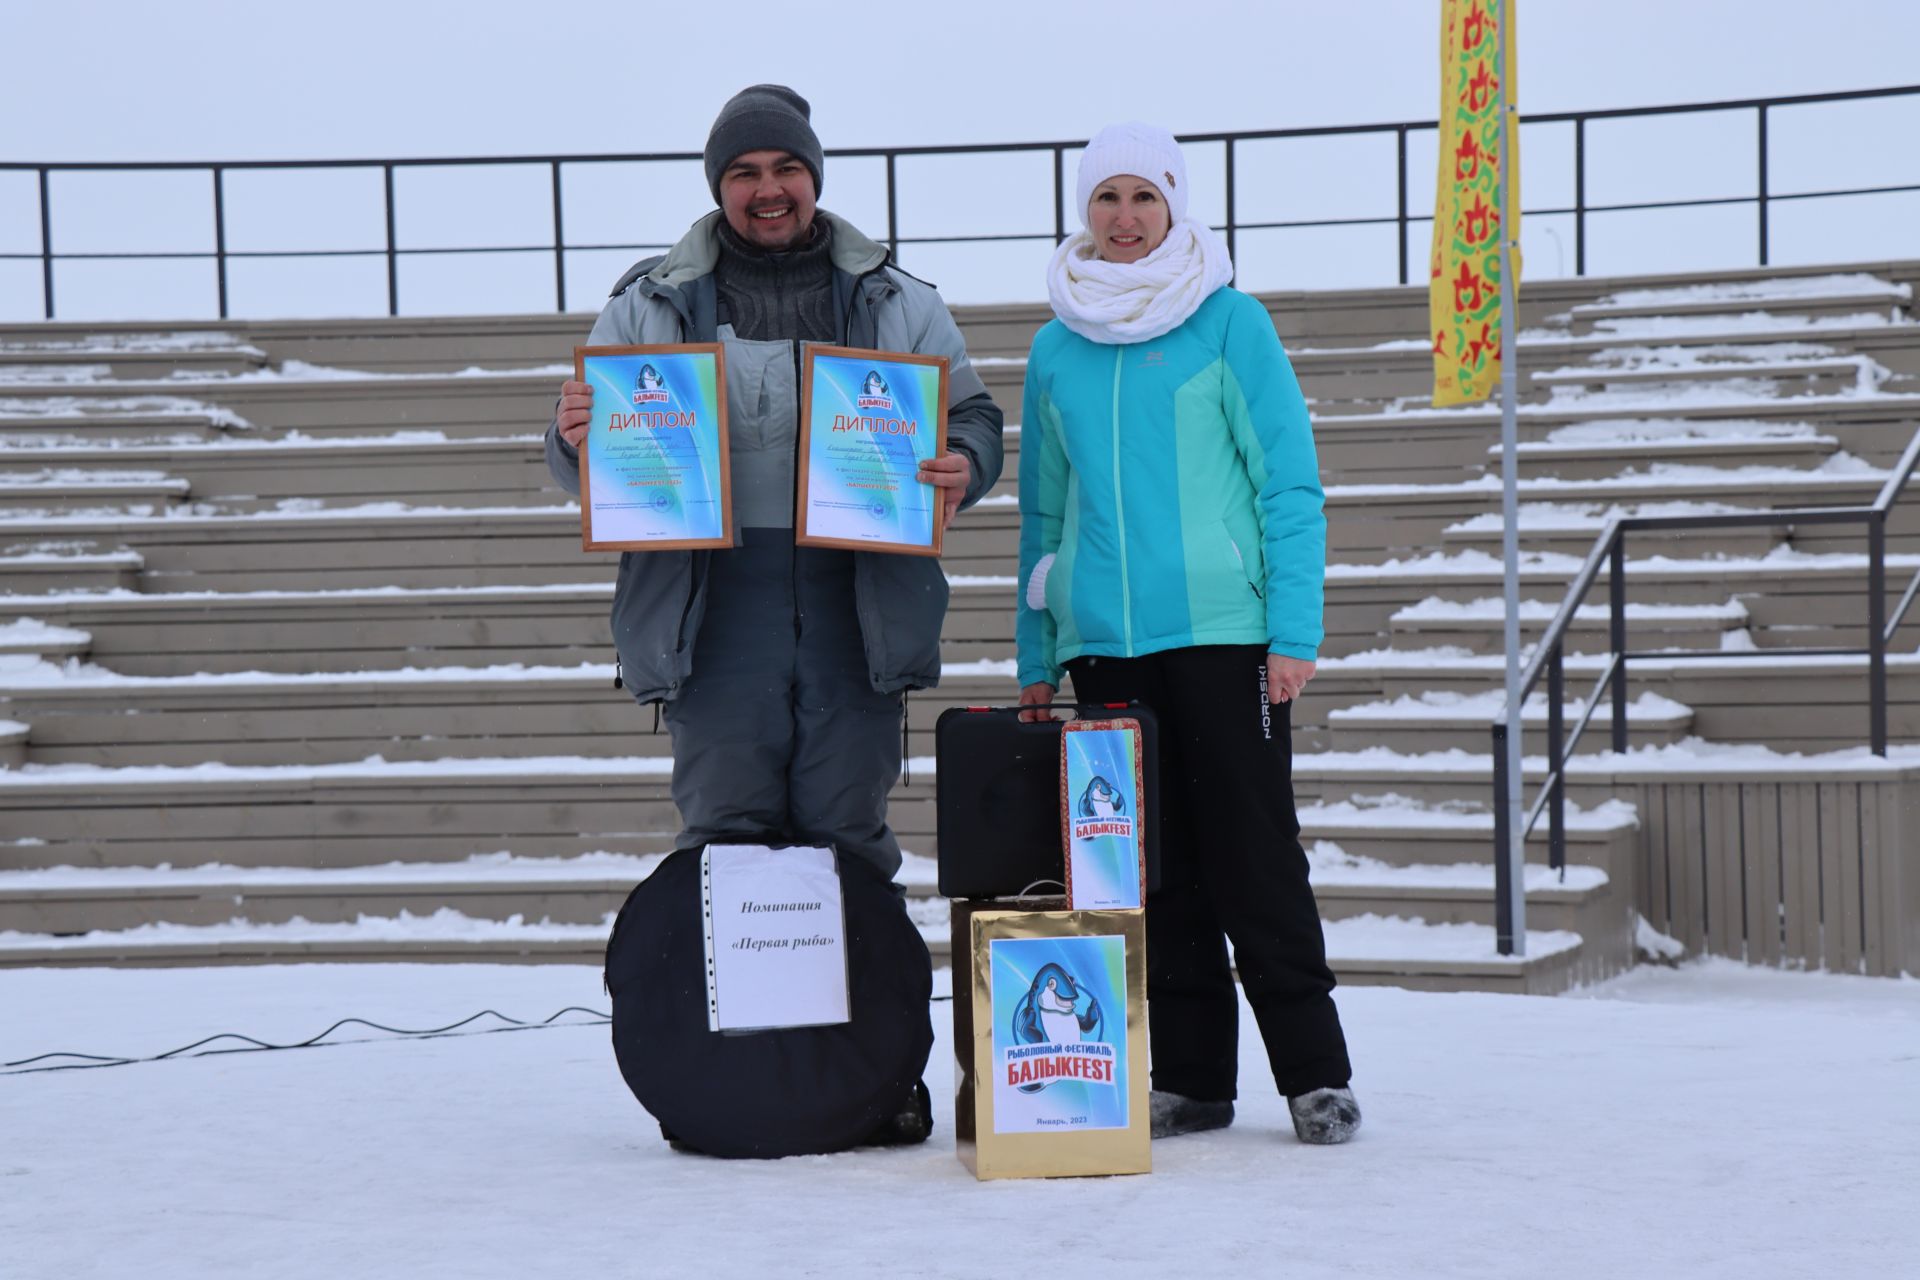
x,y
1172,550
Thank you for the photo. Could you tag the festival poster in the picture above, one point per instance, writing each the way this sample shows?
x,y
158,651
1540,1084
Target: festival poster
x,y
1059,1034
868,419
654,473
1100,764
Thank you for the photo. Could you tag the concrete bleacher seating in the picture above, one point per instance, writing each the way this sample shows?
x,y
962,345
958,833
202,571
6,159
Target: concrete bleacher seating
x,y
300,657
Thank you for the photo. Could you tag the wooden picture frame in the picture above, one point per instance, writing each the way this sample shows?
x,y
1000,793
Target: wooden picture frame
x,y
709,394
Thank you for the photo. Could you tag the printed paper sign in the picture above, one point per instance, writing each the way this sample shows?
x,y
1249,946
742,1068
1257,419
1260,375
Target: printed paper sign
x,y
1101,771
870,419
654,467
776,938
1059,1034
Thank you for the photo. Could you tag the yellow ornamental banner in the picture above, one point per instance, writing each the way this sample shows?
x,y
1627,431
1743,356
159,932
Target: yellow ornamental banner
x,y
1464,295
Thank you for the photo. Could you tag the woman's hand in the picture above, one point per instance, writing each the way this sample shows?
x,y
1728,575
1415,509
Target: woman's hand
x,y
1286,677
1037,695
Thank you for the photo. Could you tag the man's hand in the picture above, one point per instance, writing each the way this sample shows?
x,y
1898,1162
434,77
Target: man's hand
x,y
576,411
1286,677
950,473
1037,695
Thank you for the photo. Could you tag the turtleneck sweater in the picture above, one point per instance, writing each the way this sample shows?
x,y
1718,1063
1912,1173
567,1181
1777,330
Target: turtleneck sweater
x,y
770,296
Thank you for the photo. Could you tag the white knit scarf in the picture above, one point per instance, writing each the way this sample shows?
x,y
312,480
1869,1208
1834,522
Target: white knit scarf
x,y
1116,302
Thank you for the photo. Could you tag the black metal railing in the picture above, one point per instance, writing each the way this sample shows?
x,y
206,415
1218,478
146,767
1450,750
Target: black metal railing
x,y
1763,197
1549,659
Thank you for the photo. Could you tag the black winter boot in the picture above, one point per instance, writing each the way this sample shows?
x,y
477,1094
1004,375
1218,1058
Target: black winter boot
x,y
1174,1114
1325,1117
910,1127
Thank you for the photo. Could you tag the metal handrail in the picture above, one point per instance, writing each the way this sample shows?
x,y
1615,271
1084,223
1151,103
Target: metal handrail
x,y
1402,217
1549,658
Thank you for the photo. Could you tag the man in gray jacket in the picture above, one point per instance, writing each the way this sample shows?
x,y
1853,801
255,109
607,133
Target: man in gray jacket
x,y
782,668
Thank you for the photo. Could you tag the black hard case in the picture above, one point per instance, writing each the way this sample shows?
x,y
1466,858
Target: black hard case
x,y
997,802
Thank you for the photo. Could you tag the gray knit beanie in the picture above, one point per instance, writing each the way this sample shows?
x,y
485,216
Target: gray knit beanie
x,y
769,117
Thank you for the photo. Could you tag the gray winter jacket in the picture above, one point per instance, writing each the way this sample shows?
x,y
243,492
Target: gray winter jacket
x,y
660,597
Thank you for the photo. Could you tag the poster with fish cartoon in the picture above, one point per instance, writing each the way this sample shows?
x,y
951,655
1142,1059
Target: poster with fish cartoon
x,y
1059,1034
1101,793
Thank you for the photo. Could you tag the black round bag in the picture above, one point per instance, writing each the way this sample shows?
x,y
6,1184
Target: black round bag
x,y
793,1091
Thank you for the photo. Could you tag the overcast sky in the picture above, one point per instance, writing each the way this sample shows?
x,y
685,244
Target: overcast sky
x,y
229,79
222,80
225,79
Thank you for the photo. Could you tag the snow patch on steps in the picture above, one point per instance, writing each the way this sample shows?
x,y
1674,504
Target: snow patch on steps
x,y
1436,609
1784,288
75,674
1397,812
1367,938
196,341
917,872
1445,705
1631,431
1332,865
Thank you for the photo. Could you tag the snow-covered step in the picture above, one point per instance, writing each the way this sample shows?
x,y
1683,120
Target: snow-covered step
x,y
363,812
1788,702
1361,950
20,361
396,544
578,890
373,628
1432,778
1595,451
1869,327
32,638
1696,402
1570,528
99,431
97,717
75,489
1579,899
183,632
1792,295
288,473
1842,480
379,544
1810,375
326,401
1440,721
32,570
1480,625
1397,829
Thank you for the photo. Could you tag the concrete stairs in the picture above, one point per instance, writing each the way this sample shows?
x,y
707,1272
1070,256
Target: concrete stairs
x,y
339,659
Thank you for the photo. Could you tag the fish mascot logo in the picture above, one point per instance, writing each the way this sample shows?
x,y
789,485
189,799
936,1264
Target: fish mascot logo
x,y
875,393
1058,1034
1101,811
648,388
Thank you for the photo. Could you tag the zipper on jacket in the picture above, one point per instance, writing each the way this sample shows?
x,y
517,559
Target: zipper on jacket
x,y
1120,507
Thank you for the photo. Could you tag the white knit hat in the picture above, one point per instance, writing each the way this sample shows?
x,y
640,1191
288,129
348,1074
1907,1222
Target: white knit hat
x,y
1143,150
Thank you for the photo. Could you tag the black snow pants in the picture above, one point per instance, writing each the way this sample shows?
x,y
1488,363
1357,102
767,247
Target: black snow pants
x,y
778,729
1231,868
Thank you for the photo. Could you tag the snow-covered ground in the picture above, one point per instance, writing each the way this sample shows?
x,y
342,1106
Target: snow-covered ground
x,y
1708,1121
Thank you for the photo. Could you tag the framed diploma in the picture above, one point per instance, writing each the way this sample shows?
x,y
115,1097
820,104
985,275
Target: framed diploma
x,y
868,419
654,472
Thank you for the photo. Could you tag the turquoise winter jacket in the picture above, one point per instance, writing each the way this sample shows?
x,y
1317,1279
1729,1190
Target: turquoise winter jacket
x,y
1175,484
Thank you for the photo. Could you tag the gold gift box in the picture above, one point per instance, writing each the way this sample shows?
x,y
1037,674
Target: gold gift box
x,y
1067,1152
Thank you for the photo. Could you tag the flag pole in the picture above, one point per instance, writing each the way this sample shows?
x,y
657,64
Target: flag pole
x,y
1515,853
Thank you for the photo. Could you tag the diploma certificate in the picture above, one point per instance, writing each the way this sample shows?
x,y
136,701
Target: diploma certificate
x,y
654,472
868,419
